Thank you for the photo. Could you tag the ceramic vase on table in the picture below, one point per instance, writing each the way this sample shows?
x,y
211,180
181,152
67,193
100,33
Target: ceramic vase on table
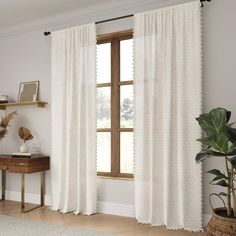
x,y
24,148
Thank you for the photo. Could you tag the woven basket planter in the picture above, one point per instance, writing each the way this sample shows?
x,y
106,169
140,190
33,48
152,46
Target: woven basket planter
x,y
220,226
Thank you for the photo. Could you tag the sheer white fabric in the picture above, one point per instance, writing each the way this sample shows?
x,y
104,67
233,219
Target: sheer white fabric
x,y
73,99
168,188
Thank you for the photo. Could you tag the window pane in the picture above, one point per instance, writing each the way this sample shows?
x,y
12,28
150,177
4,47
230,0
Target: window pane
x,y
126,106
126,60
103,152
104,107
126,152
104,63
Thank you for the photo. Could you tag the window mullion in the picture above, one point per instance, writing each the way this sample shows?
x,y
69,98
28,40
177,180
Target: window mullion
x,y
115,111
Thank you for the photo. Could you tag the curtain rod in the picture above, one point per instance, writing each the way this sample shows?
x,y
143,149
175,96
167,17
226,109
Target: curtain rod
x,y
46,33
202,2
99,22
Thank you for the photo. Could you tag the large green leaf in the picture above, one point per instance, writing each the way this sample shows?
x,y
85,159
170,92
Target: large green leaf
x,y
223,194
228,115
217,173
232,148
222,142
216,178
207,153
233,161
231,133
214,122
230,154
204,154
231,124
218,142
222,183
220,154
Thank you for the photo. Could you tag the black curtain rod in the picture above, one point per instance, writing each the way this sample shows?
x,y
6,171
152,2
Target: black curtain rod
x,y
202,2
99,22
117,18
46,33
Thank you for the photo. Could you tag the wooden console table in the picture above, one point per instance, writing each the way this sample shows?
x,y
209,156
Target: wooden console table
x,y
24,166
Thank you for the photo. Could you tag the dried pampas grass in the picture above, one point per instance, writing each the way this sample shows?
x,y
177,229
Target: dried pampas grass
x,y
5,123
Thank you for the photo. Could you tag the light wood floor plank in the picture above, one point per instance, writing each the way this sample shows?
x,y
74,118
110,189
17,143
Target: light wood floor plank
x,y
122,226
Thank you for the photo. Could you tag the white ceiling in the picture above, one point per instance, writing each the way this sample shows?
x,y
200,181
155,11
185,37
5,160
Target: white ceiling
x,y
19,11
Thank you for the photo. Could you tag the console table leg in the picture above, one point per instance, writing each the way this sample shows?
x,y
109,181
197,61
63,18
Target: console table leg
x,y
22,192
3,184
42,187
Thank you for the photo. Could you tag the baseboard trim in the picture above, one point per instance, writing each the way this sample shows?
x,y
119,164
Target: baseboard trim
x,y
29,197
103,207
116,209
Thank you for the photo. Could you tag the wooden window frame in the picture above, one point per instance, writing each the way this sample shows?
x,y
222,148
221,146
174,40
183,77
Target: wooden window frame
x,y
114,39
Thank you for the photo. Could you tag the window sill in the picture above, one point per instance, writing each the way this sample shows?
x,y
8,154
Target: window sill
x,y
115,178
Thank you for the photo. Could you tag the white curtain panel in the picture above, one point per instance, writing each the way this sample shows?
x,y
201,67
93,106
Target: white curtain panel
x,y
73,103
168,188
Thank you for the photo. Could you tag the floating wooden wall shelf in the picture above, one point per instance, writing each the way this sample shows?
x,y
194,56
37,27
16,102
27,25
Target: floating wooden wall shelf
x,y
41,104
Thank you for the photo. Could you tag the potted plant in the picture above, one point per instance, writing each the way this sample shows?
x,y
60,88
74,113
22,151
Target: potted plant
x,y
5,123
220,142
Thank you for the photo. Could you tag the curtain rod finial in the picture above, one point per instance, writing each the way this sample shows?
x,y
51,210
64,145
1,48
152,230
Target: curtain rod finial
x,y
47,33
202,2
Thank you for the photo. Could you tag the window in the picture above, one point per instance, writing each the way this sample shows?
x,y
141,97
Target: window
x,y
115,105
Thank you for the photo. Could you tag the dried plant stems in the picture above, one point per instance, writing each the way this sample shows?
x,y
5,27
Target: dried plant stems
x,y
5,123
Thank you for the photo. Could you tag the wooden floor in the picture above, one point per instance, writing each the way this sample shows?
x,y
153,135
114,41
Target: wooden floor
x,y
117,225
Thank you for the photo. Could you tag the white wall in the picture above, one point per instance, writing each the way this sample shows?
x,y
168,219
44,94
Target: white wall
x,y
25,56
219,21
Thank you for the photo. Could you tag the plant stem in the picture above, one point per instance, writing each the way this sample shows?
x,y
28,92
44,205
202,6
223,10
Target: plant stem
x,y
229,188
232,188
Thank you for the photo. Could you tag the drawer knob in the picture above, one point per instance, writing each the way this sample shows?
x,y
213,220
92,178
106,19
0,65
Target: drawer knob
x,y
21,164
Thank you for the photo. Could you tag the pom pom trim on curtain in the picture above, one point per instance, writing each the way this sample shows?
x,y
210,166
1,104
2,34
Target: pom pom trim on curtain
x,y
168,98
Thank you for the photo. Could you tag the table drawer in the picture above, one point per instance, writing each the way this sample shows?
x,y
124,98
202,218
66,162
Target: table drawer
x,y
25,168
24,165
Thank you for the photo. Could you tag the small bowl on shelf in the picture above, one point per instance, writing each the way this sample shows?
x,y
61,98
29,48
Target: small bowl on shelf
x,y
3,98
